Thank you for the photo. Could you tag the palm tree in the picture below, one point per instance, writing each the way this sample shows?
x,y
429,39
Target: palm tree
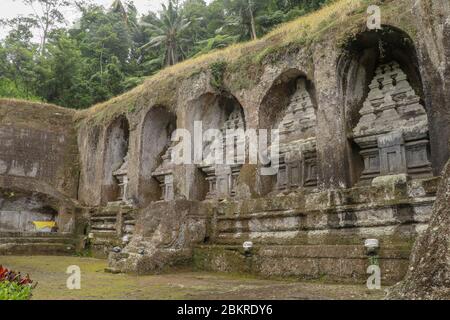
x,y
126,13
168,28
241,19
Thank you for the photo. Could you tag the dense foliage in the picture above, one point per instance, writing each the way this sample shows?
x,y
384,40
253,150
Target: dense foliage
x,y
13,286
109,51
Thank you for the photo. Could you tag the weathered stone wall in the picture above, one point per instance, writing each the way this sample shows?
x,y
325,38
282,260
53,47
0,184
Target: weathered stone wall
x,y
38,166
428,274
91,145
37,142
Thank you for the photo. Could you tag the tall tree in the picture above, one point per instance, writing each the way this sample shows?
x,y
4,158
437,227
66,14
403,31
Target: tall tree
x,y
107,51
19,51
167,32
48,15
241,17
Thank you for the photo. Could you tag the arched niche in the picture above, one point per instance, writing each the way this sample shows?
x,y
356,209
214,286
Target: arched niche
x,y
34,212
217,111
290,106
375,66
115,160
157,129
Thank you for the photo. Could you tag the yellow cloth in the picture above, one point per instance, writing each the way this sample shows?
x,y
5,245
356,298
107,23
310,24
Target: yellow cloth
x,y
44,224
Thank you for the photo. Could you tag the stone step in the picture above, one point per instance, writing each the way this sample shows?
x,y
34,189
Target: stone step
x,y
104,218
104,233
271,208
103,226
11,234
24,240
43,248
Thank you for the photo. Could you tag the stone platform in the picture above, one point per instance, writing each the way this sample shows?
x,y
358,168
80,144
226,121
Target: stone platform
x,y
322,234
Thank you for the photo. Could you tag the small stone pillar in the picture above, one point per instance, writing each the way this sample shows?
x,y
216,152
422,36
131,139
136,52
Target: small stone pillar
x,y
164,175
121,176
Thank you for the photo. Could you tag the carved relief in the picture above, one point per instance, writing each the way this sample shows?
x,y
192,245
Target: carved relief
x,y
297,155
393,130
121,175
164,175
222,178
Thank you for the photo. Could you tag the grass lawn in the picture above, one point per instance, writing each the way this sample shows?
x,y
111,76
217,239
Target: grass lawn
x,y
50,274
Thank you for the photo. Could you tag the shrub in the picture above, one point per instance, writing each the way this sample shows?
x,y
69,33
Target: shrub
x,y
13,286
14,291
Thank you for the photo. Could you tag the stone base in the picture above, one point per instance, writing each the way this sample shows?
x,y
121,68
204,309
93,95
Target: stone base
x,y
343,263
37,244
321,235
164,236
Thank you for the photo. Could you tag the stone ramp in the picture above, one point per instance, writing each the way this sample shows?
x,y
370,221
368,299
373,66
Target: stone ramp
x,y
16,243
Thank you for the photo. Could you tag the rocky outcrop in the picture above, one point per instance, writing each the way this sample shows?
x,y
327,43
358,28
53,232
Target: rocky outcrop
x,y
428,276
164,237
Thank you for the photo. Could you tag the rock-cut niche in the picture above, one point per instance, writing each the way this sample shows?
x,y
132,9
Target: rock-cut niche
x,y
27,212
387,121
224,149
156,168
115,172
289,108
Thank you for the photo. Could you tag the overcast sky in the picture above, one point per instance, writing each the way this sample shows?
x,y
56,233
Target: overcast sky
x,y
12,8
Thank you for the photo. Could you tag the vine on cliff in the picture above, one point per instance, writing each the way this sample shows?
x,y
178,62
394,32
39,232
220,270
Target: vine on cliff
x,y
218,69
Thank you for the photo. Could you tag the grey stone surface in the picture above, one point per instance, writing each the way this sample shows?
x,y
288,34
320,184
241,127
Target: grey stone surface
x,y
428,274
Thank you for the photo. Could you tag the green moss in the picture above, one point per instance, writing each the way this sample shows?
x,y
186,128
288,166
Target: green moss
x,y
218,69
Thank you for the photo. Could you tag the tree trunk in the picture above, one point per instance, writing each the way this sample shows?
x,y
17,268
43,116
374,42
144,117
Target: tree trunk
x,y
252,20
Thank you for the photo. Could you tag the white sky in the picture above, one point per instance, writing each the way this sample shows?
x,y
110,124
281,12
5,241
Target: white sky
x,y
12,8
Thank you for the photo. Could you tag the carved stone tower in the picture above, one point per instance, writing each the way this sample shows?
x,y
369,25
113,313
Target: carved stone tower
x,y
297,151
222,178
393,130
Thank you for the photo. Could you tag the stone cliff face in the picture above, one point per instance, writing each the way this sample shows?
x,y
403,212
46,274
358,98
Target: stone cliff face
x,y
37,143
38,166
428,275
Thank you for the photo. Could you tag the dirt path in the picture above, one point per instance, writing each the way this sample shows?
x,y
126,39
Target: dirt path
x,y
96,284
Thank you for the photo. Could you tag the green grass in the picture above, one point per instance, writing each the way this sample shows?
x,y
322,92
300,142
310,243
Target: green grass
x,y
50,274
